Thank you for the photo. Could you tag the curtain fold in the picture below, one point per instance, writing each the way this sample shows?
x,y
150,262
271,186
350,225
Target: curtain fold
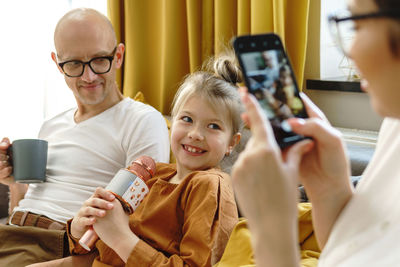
x,y
168,39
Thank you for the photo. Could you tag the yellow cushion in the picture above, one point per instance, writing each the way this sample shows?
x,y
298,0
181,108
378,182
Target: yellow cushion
x,y
140,97
238,251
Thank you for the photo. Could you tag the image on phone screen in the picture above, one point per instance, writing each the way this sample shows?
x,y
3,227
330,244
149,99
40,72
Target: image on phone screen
x,y
270,78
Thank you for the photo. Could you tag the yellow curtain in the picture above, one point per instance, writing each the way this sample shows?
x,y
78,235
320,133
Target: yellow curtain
x,y
167,39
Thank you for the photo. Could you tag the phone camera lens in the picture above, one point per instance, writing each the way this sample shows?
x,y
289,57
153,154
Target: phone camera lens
x,y
253,44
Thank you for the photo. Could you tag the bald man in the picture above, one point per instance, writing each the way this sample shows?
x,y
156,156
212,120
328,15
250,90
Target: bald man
x,y
87,144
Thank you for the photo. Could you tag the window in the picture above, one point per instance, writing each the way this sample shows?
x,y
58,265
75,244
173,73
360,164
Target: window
x,y
333,63
32,89
329,70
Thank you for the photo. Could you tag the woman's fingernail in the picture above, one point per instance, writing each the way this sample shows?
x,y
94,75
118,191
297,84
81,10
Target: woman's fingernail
x,y
301,121
110,205
296,121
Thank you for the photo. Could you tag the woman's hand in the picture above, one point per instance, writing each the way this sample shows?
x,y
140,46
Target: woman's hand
x,y
325,170
265,184
261,167
93,209
270,176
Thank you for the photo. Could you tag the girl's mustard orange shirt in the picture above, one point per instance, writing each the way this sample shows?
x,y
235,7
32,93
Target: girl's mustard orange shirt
x,y
185,224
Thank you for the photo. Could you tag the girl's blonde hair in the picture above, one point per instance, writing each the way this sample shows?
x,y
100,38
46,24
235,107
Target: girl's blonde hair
x,y
217,83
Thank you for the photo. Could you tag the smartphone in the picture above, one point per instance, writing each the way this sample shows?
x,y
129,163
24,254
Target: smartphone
x,y
269,76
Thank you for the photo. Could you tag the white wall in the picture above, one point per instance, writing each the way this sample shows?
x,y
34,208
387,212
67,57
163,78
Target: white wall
x,y
346,109
32,89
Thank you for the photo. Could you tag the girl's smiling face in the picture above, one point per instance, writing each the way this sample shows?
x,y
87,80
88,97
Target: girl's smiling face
x,y
201,135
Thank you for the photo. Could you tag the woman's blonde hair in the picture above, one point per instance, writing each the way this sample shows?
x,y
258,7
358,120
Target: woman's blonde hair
x,y
217,83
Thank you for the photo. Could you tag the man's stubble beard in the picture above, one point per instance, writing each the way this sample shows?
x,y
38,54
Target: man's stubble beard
x,y
87,100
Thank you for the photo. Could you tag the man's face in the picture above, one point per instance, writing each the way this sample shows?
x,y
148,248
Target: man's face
x,y
76,42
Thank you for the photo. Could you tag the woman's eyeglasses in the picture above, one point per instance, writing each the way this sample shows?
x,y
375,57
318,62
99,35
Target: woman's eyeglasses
x,y
341,25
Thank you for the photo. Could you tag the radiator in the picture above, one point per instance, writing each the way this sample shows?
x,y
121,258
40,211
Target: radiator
x,y
360,146
357,136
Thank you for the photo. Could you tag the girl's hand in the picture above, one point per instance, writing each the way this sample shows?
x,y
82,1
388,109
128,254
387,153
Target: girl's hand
x,y
114,225
113,229
93,209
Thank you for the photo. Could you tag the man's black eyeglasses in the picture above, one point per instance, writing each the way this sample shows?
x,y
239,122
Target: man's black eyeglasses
x,y
99,65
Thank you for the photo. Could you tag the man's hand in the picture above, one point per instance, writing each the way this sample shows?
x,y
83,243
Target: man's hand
x,y
5,167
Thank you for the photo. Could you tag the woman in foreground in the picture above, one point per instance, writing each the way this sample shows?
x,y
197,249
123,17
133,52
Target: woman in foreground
x,y
354,227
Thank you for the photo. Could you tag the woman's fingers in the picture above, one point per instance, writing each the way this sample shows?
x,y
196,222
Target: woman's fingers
x,y
259,125
312,110
319,130
296,152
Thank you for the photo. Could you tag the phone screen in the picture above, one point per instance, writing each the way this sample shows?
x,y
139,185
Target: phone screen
x,y
269,77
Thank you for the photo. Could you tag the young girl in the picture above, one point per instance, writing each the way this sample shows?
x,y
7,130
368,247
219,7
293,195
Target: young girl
x,y
190,211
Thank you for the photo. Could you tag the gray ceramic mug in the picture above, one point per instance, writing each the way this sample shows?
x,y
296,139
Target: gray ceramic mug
x,y
29,160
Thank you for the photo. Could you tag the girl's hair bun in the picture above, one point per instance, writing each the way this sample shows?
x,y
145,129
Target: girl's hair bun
x,y
225,66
